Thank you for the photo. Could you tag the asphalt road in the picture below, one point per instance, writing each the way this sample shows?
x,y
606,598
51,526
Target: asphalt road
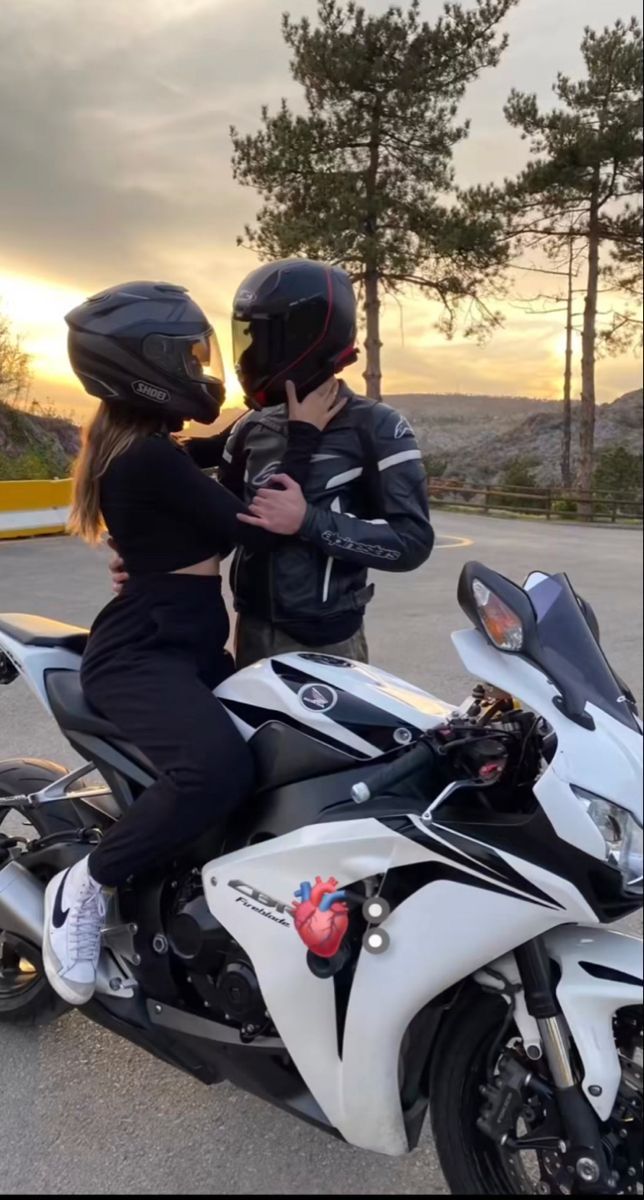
x,y
82,1112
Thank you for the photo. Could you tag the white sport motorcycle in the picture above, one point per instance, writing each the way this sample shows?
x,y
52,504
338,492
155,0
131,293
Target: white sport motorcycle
x,y
411,912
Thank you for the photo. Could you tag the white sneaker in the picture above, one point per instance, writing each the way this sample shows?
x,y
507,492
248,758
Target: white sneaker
x,y
74,915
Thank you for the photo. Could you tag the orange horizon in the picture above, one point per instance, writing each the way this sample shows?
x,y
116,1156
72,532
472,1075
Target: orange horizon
x,y
524,358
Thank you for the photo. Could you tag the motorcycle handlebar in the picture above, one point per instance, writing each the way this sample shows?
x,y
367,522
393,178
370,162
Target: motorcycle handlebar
x,y
393,773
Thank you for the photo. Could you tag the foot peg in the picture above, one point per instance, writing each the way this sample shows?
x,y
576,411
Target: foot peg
x,y
120,939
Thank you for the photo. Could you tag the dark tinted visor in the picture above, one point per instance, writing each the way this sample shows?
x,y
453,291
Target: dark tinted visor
x,y
254,348
266,348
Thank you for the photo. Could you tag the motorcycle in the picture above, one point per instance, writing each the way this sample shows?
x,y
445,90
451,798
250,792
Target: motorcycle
x,y
409,916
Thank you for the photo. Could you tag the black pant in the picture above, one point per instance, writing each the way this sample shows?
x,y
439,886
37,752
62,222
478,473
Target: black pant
x,y
152,659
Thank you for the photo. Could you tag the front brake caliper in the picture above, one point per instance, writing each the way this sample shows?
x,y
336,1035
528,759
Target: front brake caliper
x,y
505,1100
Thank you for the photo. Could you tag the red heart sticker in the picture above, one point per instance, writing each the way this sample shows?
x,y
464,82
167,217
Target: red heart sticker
x,y
321,916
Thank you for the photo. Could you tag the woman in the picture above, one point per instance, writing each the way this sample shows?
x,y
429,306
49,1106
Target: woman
x,y
157,651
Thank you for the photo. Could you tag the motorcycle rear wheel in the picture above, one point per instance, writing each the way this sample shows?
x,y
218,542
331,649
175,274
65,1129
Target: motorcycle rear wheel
x,y
25,995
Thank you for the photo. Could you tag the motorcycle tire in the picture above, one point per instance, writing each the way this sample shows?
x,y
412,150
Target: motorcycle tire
x,y
472,1163
26,998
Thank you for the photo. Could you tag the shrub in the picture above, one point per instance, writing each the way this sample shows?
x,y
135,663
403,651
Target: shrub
x,y
435,466
518,475
618,472
566,506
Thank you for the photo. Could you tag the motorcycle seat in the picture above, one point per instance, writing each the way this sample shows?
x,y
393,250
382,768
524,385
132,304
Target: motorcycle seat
x,y
29,630
74,715
282,755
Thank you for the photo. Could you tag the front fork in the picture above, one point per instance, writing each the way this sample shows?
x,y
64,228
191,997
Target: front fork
x,y
582,1132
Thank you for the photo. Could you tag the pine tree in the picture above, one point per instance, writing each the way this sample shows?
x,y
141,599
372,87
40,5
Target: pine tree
x,y
364,177
586,172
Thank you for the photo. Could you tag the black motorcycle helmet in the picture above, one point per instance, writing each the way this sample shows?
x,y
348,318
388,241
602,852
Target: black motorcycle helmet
x,y
150,346
296,320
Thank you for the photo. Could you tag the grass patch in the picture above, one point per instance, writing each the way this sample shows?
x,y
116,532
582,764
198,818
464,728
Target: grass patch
x,y
35,443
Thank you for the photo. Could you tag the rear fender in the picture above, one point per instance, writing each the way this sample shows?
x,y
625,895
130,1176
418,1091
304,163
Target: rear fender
x,y
33,663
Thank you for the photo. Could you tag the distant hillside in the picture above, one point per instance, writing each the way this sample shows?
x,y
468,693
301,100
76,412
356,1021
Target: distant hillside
x,y
474,438
66,397
36,444
454,407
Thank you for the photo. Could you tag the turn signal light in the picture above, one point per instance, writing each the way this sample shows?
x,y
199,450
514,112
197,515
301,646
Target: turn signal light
x,y
501,624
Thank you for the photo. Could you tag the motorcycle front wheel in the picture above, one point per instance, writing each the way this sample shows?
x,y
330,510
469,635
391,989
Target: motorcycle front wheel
x,y
476,1033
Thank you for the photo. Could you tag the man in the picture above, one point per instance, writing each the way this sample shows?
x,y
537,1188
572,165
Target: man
x,y
366,493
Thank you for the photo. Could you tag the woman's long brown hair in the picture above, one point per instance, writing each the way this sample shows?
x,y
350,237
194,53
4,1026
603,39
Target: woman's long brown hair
x,y
110,433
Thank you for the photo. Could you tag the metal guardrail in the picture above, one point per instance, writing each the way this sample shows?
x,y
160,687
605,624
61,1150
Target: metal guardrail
x,y
29,507
39,506
549,503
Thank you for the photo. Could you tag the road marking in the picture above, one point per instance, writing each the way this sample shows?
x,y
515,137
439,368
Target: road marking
x,y
454,543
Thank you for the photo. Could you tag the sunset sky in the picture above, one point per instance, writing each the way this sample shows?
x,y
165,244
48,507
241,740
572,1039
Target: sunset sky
x,y
115,165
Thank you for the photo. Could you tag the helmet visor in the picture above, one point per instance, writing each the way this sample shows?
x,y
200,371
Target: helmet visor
x,y
202,357
253,352
269,349
197,357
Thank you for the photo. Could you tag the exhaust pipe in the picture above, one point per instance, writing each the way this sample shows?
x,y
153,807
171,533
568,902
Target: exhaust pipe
x,y
22,903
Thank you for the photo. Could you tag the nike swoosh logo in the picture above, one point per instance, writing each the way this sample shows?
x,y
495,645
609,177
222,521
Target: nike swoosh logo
x,y
60,915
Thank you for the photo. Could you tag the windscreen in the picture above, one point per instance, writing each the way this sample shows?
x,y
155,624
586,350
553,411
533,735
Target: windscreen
x,y
569,652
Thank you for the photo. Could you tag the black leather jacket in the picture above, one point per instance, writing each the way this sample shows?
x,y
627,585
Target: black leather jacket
x,y
368,507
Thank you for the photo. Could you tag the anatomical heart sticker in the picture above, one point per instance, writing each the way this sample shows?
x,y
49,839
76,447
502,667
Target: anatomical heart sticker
x,y
321,916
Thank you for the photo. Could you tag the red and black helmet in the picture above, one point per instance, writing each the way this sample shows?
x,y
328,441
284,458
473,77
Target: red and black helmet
x,y
296,320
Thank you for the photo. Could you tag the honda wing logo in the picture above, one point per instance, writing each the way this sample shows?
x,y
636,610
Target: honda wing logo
x,y
318,697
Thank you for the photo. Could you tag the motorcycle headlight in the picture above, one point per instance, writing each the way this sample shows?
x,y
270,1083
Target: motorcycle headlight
x,y
622,836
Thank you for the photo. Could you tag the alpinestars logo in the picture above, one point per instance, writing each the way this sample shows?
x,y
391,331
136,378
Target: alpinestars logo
x,y
150,392
347,543
266,473
403,429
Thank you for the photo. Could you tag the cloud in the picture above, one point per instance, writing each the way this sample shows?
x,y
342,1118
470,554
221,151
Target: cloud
x,y
114,144
115,150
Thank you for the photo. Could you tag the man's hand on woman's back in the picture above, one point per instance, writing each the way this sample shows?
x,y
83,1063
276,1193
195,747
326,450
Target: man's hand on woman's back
x,y
117,568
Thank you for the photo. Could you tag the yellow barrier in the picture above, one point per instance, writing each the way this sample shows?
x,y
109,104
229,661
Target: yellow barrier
x,y
29,507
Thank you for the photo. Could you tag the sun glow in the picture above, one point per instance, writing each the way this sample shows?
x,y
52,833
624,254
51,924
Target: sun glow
x,y
525,357
37,308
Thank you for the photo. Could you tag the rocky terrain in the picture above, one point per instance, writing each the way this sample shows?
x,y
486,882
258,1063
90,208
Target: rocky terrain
x,y
475,438
470,438
37,443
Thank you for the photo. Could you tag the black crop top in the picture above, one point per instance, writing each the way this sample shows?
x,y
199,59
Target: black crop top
x,y
164,514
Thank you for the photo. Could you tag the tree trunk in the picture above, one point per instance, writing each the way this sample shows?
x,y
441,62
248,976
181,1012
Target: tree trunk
x,y
587,430
566,473
372,373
